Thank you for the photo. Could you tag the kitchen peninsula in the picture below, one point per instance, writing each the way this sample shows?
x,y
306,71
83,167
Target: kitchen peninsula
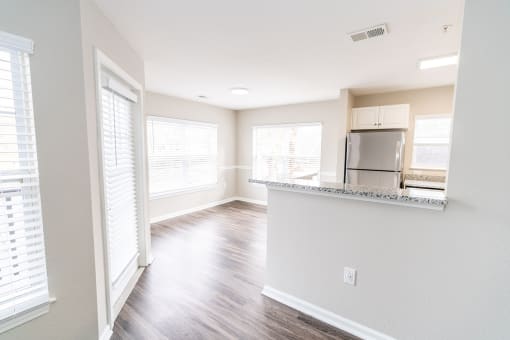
x,y
420,198
319,230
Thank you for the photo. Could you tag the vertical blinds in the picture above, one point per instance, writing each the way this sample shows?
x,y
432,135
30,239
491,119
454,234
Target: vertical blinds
x,y
23,278
286,151
119,180
182,154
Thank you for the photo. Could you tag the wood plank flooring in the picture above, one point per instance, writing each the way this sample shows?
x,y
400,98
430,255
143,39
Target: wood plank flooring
x,y
206,280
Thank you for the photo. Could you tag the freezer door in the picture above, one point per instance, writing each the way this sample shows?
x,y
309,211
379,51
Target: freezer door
x,y
375,150
382,179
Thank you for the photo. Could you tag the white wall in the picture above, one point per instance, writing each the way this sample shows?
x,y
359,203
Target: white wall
x,y
329,113
166,106
98,32
422,274
63,82
61,128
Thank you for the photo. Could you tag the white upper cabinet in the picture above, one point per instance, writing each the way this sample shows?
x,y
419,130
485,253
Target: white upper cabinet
x,y
394,116
380,117
364,118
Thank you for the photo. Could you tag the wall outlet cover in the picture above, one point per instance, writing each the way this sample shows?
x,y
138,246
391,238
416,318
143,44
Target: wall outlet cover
x,y
350,276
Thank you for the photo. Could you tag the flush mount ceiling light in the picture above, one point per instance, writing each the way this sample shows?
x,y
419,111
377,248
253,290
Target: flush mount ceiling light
x,y
239,91
425,64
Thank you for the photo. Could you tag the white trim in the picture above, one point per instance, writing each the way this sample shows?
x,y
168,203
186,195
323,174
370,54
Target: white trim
x,y
107,333
116,86
102,63
123,281
249,200
26,316
16,42
324,315
183,191
189,211
168,216
125,294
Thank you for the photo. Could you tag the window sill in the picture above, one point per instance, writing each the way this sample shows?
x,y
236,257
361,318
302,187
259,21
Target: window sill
x,y
184,191
26,316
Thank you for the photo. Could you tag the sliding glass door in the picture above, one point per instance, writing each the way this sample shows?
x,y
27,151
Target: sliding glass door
x,y
119,182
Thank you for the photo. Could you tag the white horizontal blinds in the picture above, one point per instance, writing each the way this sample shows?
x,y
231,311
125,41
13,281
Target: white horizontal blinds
x,y
431,142
182,154
286,151
119,180
23,278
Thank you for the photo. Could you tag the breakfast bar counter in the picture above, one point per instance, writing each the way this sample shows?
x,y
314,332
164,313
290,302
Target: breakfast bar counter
x,y
421,198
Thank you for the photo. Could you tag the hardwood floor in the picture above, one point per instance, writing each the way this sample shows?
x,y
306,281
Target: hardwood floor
x,y
206,280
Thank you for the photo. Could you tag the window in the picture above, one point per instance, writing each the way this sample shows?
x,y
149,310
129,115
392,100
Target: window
x,y
286,151
23,279
431,142
182,155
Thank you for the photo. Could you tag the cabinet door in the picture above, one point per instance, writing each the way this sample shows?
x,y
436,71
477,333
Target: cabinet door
x,y
365,118
394,116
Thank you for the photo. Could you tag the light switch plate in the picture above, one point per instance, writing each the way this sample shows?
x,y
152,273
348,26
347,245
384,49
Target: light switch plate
x,y
350,276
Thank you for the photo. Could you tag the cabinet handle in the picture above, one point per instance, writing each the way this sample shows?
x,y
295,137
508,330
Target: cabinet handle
x,y
375,124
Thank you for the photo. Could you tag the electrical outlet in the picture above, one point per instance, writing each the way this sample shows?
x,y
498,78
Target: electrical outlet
x,y
350,276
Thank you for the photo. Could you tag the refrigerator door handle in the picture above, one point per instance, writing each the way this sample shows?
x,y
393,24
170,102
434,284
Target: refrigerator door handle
x,y
348,147
398,153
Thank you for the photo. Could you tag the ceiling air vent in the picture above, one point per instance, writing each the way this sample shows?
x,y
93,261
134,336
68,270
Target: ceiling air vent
x,y
368,33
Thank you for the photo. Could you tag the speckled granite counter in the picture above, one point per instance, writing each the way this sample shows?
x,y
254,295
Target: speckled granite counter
x,y
412,197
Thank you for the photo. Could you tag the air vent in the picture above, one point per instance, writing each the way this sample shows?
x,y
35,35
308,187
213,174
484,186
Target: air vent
x,y
368,33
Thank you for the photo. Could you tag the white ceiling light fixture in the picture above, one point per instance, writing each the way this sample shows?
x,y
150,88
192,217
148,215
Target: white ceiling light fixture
x,y
448,60
239,91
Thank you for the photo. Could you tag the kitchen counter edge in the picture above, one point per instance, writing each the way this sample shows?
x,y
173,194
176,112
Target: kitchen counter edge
x,y
403,197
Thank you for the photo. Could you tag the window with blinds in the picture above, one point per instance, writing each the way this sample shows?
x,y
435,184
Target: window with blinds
x,y
286,151
23,278
431,143
119,176
183,155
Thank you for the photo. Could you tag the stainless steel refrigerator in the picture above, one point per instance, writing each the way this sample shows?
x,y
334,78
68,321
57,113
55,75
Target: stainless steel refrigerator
x,y
375,158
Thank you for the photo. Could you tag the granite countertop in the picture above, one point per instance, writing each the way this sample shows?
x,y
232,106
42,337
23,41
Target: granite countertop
x,y
424,198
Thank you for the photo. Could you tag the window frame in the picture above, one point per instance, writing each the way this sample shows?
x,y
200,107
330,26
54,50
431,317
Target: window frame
x,y
283,125
103,62
17,44
414,166
189,189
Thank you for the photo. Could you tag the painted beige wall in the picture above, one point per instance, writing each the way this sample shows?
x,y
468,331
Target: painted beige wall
x,y
421,274
98,32
63,152
429,101
329,113
166,106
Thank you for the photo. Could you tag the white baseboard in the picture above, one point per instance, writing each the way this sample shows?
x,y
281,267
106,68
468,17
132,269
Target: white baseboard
x,y
107,333
249,200
189,211
324,315
203,207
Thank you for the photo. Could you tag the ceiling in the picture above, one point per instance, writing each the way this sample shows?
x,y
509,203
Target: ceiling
x,y
285,51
